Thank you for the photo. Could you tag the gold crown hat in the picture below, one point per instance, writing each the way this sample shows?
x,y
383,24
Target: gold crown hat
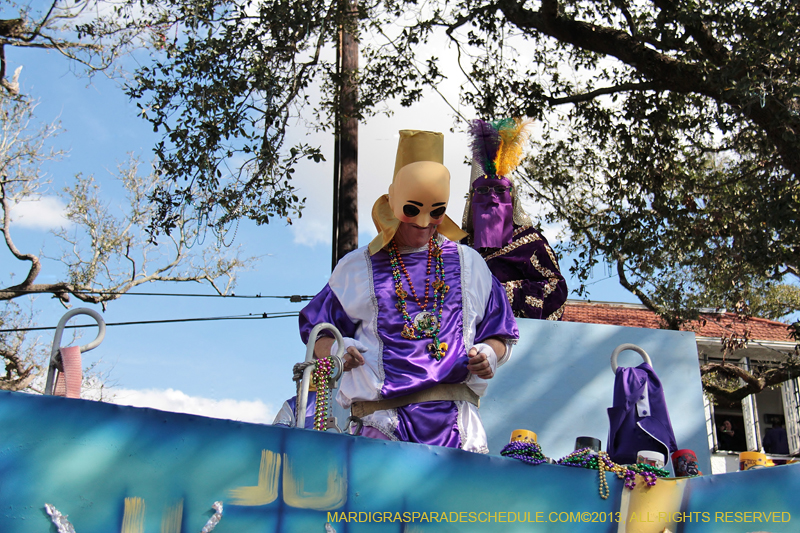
x,y
414,146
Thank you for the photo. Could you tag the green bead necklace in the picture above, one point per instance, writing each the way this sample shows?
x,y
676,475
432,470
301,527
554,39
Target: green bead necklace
x,y
425,324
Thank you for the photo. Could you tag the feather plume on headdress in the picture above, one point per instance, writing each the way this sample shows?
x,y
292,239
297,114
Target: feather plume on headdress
x,y
497,147
514,133
485,144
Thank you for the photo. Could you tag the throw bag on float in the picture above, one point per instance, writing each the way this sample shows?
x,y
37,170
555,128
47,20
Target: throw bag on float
x,y
638,418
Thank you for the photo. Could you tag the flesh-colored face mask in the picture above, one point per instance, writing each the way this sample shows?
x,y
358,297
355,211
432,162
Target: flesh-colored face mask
x,y
420,192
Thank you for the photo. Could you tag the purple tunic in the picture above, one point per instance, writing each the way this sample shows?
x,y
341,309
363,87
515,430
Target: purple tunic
x,y
360,301
528,269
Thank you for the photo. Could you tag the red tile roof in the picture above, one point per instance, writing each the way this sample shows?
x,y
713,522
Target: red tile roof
x,y
710,324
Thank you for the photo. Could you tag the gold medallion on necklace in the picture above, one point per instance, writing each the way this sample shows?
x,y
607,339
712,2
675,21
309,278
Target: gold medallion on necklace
x,y
425,322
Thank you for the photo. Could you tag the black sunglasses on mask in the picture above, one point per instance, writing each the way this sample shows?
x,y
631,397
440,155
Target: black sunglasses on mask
x,y
499,189
412,211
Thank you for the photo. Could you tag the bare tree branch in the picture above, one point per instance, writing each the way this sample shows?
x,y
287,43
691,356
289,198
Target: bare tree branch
x,y
591,95
753,383
106,250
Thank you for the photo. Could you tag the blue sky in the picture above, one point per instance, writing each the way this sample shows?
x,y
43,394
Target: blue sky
x,y
232,369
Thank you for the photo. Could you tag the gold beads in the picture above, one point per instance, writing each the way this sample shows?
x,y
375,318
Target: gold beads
x,y
601,468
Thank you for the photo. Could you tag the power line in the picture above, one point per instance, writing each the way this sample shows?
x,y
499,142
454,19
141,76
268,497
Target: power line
x,y
250,316
293,298
602,279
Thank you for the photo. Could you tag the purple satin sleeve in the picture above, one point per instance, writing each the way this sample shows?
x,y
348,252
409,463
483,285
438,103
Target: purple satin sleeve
x,y
498,318
630,431
311,407
325,307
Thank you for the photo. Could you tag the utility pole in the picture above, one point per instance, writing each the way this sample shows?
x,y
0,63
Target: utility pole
x,y
345,159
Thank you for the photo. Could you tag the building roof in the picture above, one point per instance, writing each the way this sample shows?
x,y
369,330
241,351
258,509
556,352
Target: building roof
x,y
712,324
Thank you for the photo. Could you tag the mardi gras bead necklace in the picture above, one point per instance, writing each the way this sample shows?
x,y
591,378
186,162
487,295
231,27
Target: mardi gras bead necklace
x,y
531,453
425,324
321,379
527,452
587,458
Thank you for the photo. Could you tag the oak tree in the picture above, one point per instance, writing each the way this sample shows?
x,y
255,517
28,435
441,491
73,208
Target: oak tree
x,y
668,140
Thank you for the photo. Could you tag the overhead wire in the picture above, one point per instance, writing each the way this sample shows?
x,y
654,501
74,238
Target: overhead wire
x,y
250,316
292,298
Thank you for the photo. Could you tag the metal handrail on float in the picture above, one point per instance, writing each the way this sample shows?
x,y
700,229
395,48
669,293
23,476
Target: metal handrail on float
x,y
621,348
55,351
302,395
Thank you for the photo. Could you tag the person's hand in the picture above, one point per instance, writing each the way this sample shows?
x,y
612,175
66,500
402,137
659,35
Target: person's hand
x,y
352,357
481,357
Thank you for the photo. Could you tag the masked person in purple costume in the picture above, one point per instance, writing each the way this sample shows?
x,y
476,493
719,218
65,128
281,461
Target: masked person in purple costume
x,y
425,323
287,415
517,254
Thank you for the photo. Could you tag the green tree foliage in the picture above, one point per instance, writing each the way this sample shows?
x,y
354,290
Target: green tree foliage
x,y
23,358
776,301
224,89
229,86
669,137
88,32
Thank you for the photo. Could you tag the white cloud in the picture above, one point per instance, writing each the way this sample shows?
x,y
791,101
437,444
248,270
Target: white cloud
x,y
311,231
45,213
178,402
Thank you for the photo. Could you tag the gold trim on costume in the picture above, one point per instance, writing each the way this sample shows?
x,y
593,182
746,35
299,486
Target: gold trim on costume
x,y
510,286
515,244
552,279
557,314
534,302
